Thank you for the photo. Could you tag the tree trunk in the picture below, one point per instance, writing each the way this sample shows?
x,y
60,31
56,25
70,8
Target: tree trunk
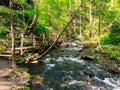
x,y
60,33
13,37
35,17
90,29
73,29
33,22
112,3
99,26
80,20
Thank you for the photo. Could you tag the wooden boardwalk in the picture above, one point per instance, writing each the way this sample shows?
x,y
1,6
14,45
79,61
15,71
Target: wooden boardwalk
x,y
33,43
21,46
18,50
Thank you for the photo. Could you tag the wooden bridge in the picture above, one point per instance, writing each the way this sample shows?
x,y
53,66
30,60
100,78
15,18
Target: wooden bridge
x,y
23,44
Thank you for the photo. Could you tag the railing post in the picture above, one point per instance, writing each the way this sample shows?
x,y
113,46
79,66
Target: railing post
x,y
43,39
22,41
48,38
33,40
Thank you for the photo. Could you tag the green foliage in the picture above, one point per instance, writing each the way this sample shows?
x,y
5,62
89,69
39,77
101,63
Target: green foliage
x,y
53,15
115,26
112,37
28,76
112,49
3,22
116,54
105,39
95,50
26,88
29,11
20,61
3,30
38,29
107,49
2,49
115,32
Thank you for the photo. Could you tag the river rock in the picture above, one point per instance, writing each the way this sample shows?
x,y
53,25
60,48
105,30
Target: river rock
x,y
37,79
87,57
78,41
102,88
66,83
88,72
117,88
31,57
86,79
112,68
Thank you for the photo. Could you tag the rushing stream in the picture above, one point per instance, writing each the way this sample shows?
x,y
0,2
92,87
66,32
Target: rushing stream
x,y
65,70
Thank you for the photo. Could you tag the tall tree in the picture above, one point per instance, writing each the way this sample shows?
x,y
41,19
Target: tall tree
x,y
73,22
35,16
99,26
13,36
81,20
90,29
112,3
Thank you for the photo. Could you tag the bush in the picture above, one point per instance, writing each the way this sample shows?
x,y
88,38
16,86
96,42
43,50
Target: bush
x,y
3,31
106,39
114,36
38,29
115,26
115,54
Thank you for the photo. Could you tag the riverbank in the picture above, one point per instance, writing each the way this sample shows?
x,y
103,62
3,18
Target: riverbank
x,y
107,54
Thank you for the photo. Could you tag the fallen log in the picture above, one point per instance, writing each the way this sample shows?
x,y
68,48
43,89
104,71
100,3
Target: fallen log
x,y
45,52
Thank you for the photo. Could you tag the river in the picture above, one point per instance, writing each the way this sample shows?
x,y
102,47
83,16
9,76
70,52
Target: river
x,y
65,70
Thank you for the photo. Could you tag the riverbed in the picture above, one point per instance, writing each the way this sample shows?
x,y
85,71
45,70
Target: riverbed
x,y
65,70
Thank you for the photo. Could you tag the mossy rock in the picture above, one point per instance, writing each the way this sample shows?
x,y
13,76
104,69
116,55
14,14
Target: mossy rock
x,y
112,68
87,57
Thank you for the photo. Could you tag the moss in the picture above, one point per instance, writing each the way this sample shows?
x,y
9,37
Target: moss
x,y
115,54
105,61
28,76
112,49
2,48
24,88
20,61
117,61
108,54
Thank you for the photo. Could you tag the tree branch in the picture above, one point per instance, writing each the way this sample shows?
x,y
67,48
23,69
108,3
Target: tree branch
x,y
45,52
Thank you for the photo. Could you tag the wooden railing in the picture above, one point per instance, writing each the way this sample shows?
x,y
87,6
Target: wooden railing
x,y
24,43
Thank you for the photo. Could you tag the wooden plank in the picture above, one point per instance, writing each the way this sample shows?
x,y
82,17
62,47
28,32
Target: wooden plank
x,y
24,48
9,51
29,47
6,55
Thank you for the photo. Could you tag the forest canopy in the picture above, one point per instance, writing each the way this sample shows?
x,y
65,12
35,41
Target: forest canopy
x,y
96,20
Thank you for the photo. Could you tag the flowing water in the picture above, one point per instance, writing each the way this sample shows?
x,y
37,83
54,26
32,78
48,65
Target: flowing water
x,y
65,70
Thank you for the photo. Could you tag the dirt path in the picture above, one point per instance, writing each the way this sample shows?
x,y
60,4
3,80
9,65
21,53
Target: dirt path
x,y
4,83
10,78
5,63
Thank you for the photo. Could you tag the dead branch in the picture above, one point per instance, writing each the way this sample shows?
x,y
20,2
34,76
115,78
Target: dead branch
x,y
45,52
33,22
